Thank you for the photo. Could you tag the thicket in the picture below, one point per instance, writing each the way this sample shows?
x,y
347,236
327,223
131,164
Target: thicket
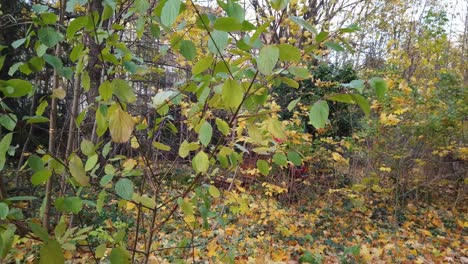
x,y
169,131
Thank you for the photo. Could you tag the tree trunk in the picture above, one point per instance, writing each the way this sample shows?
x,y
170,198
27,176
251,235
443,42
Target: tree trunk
x,y
94,68
52,130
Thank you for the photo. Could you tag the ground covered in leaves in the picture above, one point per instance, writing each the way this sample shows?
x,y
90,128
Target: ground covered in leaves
x,y
341,226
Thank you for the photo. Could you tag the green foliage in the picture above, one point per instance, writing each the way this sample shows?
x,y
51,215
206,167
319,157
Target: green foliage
x,y
129,151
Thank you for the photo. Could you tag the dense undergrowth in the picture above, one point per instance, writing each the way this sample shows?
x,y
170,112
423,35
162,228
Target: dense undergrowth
x,y
172,132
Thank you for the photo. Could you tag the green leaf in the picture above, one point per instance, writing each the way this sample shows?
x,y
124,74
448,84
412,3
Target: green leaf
x,y
91,162
123,91
352,250
163,97
101,121
301,22
7,238
18,43
76,25
2,61
188,49
334,46
218,40
213,191
186,206
21,198
40,177
109,169
4,210
124,188
77,170
141,6
170,11
38,231
8,121
41,50
205,133
263,167
15,88
293,104
342,98
53,61
69,204
322,36
87,147
227,24
41,108
51,253
100,201
161,146
318,114
49,37
295,158
279,5
35,119
363,103
85,80
186,147
131,66
120,124
201,162
267,59
202,65
105,90
235,10
144,200
232,93
36,64
300,72
106,179
280,159
39,9
356,84
222,126
380,86
100,250
288,52
49,18
4,146
308,257
71,4
276,129
350,28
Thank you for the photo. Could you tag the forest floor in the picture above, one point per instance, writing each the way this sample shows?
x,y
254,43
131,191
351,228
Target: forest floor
x,y
340,226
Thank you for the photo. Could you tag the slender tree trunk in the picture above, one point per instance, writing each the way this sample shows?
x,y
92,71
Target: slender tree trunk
x,y
72,125
74,113
52,130
26,142
94,67
464,48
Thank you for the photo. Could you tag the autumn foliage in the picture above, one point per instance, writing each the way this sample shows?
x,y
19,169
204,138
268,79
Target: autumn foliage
x,y
282,131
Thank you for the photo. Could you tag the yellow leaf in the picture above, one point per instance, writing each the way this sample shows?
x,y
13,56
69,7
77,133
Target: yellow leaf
x,y
276,129
77,170
134,143
425,232
161,146
129,164
365,253
338,158
130,206
212,248
120,124
386,169
59,93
